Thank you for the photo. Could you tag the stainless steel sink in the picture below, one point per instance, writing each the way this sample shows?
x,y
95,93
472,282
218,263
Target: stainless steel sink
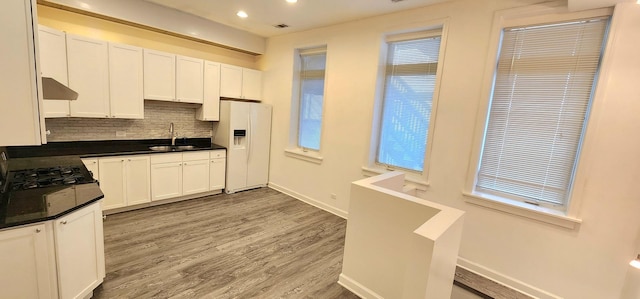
x,y
184,147
168,148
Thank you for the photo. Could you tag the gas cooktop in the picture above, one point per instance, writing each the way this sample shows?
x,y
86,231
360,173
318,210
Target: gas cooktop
x,y
46,177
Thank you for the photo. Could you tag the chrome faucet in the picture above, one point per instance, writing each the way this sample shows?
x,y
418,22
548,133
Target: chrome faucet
x,y
173,135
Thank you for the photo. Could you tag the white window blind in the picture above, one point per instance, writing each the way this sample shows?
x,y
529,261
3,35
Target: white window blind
x,y
410,80
543,86
312,71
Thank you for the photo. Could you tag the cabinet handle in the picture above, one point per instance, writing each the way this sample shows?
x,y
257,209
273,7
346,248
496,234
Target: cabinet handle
x,y
38,230
104,217
63,222
129,160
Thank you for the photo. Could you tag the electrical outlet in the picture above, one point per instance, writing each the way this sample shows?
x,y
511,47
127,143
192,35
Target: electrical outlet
x,y
333,196
210,133
121,134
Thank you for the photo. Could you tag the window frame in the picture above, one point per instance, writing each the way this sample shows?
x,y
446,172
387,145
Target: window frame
x,y
568,215
419,180
294,149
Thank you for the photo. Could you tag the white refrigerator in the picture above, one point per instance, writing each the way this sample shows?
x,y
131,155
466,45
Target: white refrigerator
x,y
245,130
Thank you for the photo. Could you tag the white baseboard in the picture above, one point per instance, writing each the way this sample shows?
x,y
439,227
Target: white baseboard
x,y
311,201
356,288
505,280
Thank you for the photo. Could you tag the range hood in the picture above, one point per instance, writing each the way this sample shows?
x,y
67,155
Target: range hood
x,y
54,90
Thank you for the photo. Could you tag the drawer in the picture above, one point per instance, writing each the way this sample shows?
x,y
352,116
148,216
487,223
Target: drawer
x,y
218,154
193,156
166,158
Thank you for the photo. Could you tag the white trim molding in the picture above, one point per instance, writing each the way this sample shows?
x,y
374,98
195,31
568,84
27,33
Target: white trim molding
x,y
539,213
505,280
309,156
318,204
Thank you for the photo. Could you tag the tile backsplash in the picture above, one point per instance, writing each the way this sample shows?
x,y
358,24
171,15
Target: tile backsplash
x,y
157,117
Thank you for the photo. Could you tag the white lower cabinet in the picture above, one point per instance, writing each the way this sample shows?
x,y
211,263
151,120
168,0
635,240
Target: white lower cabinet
x,y
124,180
79,243
195,172
25,256
166,176
61,258
217,170
175,174
92,166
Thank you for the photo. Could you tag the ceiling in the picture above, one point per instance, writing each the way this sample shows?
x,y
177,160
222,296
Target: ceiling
x,y
303,15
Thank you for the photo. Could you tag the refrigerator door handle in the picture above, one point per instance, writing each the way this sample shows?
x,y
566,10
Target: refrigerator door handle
x,y
249,129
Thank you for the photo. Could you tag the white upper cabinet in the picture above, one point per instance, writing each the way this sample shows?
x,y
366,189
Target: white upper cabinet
x,y
126,81
159,75
251,84
53,64
210,110
88,65
240,83
20,121
189,79
230,81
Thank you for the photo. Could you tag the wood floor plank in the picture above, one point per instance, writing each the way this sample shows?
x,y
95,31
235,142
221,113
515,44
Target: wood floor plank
x,y
253,244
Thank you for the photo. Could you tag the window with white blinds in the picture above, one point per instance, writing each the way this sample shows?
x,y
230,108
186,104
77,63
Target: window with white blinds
x,y
312,72
542,92
410,81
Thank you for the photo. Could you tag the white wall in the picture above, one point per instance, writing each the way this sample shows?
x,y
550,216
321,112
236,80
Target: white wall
x,y
541,259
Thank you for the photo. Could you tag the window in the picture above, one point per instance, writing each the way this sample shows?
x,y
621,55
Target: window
x,y
542,90
408,98
311,78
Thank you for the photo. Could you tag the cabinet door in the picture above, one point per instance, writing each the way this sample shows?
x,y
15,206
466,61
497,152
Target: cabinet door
x,y
166,180
88,65
251,84
216,173
80,252
24,256
189,79
112,182
230,81
125,77
210,110
19,119
195,177
53,64
92,166
138,180
159,75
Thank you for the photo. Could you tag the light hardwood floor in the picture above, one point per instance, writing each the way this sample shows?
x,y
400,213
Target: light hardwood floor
x,y
252,244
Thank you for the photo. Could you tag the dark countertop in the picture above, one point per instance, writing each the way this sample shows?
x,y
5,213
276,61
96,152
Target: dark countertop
x,y
43,204
86,149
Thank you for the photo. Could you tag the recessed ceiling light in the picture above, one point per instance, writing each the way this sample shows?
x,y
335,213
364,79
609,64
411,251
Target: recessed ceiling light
x,y
294,1
242,14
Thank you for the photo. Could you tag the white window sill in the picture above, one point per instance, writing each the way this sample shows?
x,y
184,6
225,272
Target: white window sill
x,y
538,213
309,156
410,179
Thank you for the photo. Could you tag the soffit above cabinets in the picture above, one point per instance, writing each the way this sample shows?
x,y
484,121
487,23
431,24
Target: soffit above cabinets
x,y
166,20
264,16
215,21
576,5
